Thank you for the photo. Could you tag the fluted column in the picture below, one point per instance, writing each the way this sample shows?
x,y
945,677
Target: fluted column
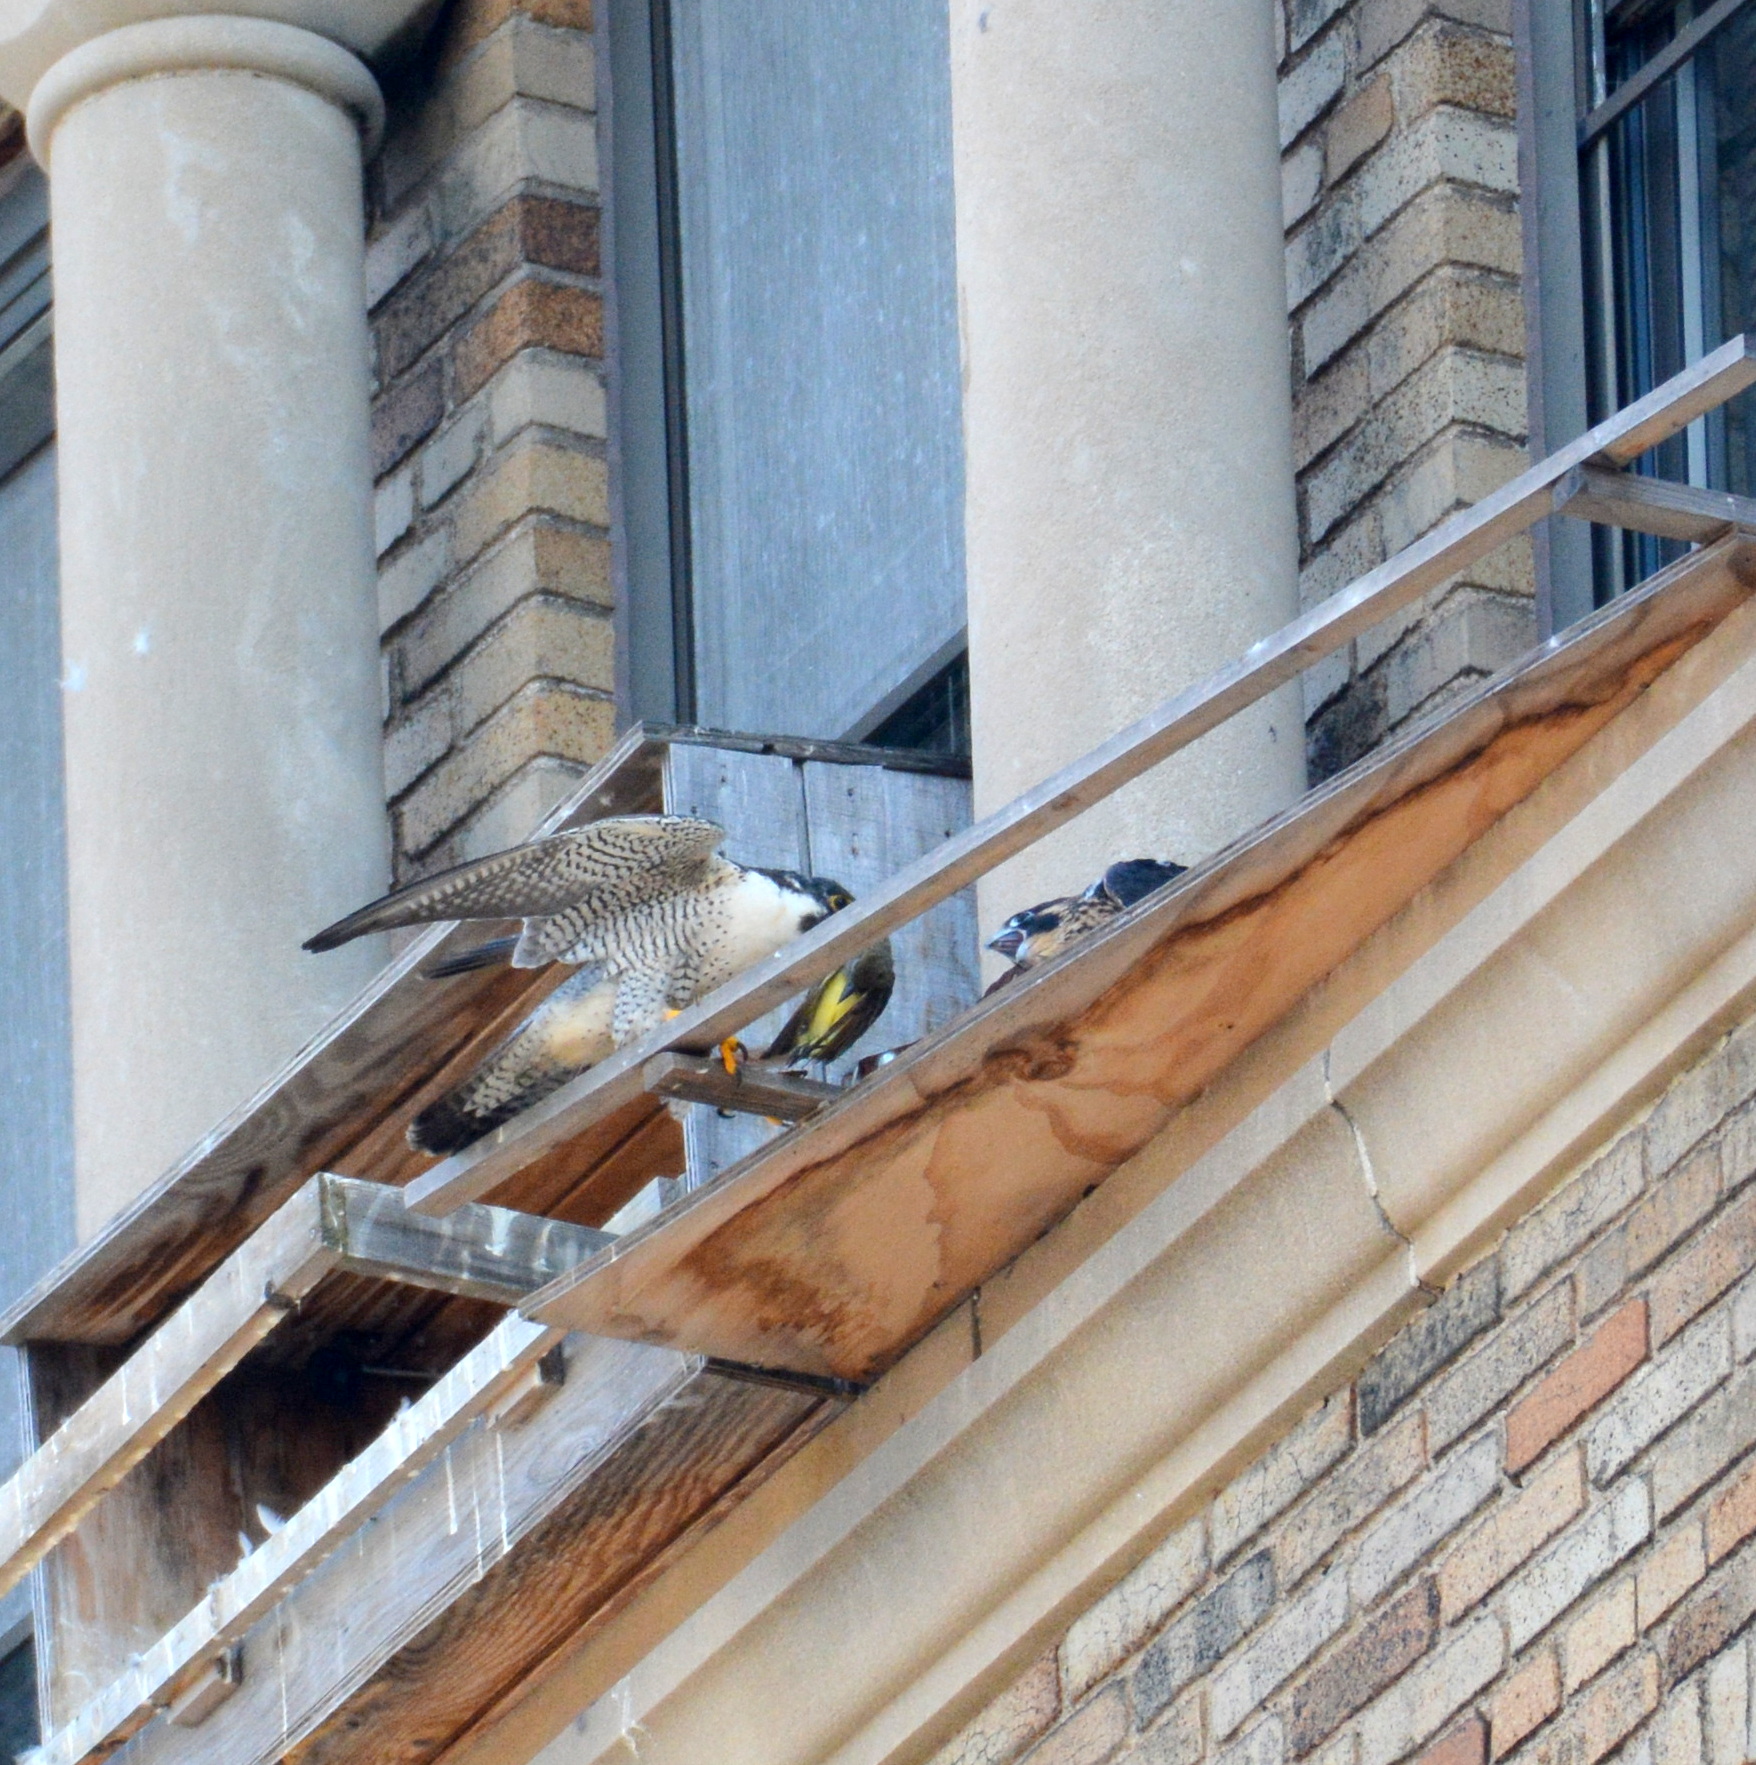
x,y
220,662
1127,408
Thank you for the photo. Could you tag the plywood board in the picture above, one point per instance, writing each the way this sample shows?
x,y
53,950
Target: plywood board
x,y
842,1245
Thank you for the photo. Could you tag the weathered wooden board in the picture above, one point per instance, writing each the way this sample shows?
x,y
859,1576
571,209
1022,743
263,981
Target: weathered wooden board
x,y
842,1245
342,1104
412,1440
761,797
863,828
1165,730
1651,505
499,1552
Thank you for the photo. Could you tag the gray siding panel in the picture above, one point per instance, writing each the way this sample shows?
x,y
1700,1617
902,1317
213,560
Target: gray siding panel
x,y
821,356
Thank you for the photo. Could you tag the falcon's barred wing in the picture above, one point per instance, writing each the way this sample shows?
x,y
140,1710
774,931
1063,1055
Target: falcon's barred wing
x,y
544,877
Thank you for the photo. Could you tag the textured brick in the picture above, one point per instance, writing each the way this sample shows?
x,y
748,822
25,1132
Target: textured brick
x,y
1454,304
1305,18
1675,1735
1697,1275
560,392
1731,1514
1430,1693
1311,88
1350,1495
1301,182
1700,1099
393,510
1674,1565
1385,1647
1703,1444
1612,1708
415,742
1265,1744
405,415
541,639
415,572
1327,407
539,557
1711,1616
1357,127
1511,1535
394,252
1581,1557
557,722
448,458
470,22
1529,1697
1196,1641
1657,1395
1382,24
1176,1740
1089,1735
530,478
521,143
1671,1207
527,230
1431,1340
1574,1214
1444,65
1135,1607
1726,1694
1286,1643
1529,1339
531,314
1466,1744
1431,1511
1604,1630
1280,1476
1577,1386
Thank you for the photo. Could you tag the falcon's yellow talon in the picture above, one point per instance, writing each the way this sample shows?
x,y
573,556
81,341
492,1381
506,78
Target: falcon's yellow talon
x,y
731,1053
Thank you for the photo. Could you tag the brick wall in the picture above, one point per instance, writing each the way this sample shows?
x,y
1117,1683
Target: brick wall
x,y
483,273
1400,182
1526,1532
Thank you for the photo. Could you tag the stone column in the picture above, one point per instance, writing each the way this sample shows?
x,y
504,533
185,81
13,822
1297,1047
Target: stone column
x,y
220,659
1130,521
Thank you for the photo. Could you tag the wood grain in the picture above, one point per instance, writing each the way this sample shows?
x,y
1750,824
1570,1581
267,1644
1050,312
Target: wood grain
x,y
1168,728
841,1247
490,1560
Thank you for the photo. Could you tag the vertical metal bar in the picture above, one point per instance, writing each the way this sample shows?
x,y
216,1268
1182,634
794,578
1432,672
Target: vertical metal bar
x,y
672,311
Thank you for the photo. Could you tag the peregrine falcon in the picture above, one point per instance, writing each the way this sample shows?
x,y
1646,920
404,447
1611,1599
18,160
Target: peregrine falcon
x,y
642,906
839,1010
1047,929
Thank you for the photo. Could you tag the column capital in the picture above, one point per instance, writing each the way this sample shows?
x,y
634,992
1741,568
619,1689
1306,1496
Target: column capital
x,y
86,45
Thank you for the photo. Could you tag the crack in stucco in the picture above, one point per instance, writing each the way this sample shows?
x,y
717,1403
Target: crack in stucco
x,y
1370,1178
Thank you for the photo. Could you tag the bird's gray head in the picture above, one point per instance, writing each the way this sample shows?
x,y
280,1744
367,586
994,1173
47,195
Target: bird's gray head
x,y
822,896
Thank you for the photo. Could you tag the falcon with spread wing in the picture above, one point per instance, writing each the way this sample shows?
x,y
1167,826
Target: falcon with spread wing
x,y
643,906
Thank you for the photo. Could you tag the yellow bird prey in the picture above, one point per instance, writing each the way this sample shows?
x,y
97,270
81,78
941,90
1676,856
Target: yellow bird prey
x,y
642,905
838,1011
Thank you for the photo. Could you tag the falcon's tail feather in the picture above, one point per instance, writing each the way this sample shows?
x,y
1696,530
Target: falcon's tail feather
x,y
489,955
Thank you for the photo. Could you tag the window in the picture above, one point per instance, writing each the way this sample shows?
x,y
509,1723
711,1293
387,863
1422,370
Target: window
x,y
36,1099
1661,120
787,385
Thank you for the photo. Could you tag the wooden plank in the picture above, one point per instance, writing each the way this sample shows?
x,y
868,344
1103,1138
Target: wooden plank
x,y
1652,505
804,747
416,1436
502,1550
844,1244
362,1070
1168,728
864,826
692,1078
158,1385
478,1252
761,798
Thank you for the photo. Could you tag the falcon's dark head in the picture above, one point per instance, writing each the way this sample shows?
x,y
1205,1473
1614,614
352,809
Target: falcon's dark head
x,y
1036,933
820,896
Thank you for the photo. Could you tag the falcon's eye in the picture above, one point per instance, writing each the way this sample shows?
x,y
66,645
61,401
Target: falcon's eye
x,y
838,900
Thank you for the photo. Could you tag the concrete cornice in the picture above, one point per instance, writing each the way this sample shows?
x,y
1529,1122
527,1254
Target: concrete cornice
x,y
35,34
210,41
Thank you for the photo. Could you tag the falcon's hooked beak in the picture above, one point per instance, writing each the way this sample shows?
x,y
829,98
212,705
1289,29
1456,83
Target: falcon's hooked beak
x,y
1008,941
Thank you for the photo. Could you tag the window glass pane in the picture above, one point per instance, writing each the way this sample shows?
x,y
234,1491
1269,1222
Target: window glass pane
x,y
820,357
1669,196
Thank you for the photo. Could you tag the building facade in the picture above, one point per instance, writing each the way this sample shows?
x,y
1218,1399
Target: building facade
x,y
955,379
